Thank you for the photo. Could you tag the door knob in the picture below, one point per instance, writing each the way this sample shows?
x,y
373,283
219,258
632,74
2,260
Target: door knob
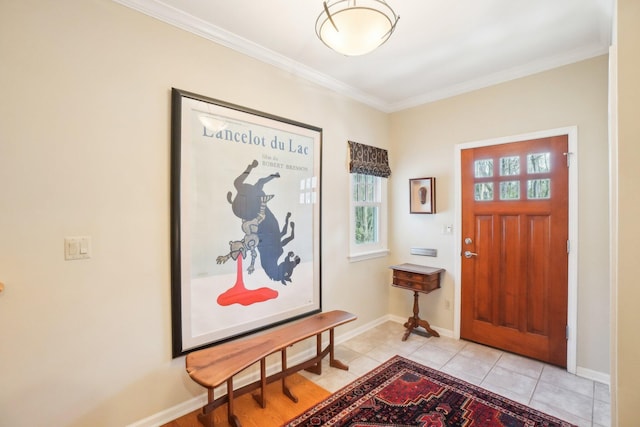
x,y
469,254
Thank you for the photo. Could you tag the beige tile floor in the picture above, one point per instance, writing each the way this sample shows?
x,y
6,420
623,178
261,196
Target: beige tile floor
x,y
545,387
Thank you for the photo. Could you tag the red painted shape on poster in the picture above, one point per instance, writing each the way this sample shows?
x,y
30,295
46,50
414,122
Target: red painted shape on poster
x,y
239,294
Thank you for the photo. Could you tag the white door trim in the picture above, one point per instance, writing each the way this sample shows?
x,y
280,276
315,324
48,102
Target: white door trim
x,y
572,308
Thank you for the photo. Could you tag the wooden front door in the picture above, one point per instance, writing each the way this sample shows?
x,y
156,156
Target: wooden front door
x,y
515,247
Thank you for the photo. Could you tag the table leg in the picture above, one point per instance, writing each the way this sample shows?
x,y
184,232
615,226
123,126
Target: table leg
x,y
415,321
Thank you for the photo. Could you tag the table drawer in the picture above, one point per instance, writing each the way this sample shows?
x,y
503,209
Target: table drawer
x,y
417,281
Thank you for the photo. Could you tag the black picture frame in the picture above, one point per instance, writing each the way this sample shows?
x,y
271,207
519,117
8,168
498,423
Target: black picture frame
x,y
245,187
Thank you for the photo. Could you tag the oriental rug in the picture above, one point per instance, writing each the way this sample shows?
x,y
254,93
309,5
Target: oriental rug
x,y
401,392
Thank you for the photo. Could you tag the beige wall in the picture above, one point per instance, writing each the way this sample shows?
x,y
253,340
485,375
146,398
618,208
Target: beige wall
x,y
423,141
84,150
626,349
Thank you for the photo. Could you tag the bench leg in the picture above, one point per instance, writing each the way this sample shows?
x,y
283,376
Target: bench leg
x,y
319,352
233,420
333,362
262,400
317,368
206,418
285,389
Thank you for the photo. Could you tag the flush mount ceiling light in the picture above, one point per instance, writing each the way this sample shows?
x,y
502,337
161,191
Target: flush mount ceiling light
x,y
355,27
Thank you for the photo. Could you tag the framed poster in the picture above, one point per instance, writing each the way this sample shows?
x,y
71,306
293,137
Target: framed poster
x,y
245,221
422,195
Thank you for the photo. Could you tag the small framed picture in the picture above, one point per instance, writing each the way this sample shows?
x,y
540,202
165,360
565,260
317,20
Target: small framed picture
x,y
422,195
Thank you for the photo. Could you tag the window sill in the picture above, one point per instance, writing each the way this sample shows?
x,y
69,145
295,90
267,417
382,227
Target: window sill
x,y
363,256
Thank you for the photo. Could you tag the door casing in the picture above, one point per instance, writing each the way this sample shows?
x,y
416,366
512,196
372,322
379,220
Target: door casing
x,y
572,290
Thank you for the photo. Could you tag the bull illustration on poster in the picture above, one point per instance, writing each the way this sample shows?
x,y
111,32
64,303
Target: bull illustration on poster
x,y
262,234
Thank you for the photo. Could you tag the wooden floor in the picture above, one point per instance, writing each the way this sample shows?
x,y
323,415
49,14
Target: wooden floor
x,y
279,410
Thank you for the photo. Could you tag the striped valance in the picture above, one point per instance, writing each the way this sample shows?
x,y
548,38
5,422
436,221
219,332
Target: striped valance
x,y
368,160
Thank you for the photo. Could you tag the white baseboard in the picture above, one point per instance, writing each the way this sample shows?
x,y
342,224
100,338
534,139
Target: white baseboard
x,y
590,374
443,332
199,401
172,413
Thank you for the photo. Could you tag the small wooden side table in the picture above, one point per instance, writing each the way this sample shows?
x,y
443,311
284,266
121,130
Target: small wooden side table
x,y
416,278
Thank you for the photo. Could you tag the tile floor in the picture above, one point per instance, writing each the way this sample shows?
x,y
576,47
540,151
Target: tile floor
x,y
545,387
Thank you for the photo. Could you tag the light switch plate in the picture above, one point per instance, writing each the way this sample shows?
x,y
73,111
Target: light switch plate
x,y
77,248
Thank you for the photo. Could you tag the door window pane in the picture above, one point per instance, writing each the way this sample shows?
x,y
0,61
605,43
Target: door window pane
x,y
510,190
539,189
483,168
483,191
538,163
510,166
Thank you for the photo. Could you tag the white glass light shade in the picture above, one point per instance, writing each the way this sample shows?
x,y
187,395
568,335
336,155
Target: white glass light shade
x,y
355,27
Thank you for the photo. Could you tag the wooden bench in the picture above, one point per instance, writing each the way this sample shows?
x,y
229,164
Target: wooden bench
x,y
217,365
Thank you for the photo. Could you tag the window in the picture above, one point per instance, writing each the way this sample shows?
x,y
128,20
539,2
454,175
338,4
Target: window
x,y
368,207
369,168
538,187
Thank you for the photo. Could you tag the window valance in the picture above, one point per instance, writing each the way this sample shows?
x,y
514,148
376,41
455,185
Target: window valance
x,y
368,160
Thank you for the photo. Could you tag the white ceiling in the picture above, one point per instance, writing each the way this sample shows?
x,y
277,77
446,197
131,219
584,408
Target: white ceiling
x,y
440,48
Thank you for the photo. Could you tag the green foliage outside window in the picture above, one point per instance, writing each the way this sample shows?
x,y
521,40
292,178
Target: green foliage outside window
x,y
366,224
366,199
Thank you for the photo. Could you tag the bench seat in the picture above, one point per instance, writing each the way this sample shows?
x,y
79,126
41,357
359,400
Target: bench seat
x,y
214,366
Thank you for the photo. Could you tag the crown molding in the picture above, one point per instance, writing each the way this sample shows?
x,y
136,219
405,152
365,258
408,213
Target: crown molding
x,y
504,76
195,25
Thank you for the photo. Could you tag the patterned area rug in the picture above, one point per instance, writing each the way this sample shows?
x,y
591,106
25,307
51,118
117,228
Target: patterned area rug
x,y
401,392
